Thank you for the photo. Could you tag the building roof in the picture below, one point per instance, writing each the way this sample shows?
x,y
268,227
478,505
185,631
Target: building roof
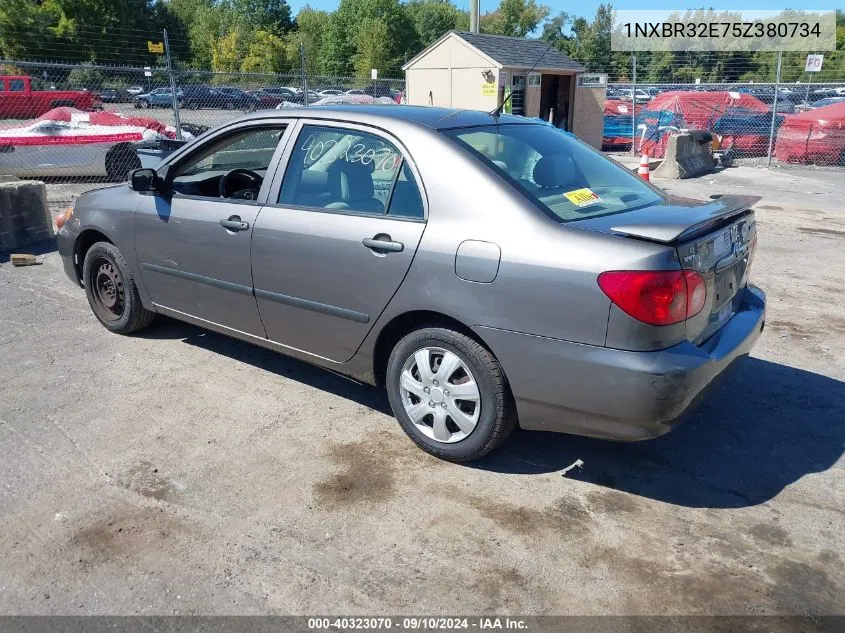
x,y
520,52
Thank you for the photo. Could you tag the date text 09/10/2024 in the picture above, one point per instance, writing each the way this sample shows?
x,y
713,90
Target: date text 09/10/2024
x,y
415,623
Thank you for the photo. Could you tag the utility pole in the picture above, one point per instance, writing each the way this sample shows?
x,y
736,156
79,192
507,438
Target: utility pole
x,y
173,98
774,111
474,15
304,74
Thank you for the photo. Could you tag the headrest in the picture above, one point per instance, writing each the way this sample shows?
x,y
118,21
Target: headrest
x,y
350,181
554,170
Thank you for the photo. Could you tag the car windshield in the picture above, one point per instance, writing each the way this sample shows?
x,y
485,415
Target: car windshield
x,y
565,177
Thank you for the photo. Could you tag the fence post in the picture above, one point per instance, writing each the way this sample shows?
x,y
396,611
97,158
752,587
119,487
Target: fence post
x,y
173,99
304,74
774,111
634,103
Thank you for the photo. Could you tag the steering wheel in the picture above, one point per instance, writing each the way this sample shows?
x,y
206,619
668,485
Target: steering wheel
x,y
250,193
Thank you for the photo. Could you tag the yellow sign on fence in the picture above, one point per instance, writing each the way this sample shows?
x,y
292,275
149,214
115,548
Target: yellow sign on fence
x,y
156,47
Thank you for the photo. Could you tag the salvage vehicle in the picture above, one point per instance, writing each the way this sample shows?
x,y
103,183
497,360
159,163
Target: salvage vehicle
x,y
66,142
813,137
739,119
487,270
19,101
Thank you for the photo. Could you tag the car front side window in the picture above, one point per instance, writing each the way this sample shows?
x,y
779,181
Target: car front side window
x,y
348,170
232,167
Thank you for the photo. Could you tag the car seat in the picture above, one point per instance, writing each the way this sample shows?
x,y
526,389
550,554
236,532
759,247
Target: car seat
x,y
351,187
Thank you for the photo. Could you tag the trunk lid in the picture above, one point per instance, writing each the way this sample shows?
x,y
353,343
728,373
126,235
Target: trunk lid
x,y
715,238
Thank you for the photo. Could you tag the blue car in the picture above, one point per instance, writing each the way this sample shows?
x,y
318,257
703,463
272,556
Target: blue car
x,y
158,98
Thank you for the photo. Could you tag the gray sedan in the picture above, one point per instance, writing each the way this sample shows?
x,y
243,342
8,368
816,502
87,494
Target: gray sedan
x,y
488,271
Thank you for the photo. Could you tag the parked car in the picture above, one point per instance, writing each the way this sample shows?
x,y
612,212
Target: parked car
x,y
19,101
237,99
112,95
271,97
330,92
66,142
806,107
589,303
821,93
813,137
134,91
378,90
158,98
194,97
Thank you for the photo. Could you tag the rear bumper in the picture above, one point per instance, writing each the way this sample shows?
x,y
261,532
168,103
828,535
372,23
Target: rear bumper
x,y
615,394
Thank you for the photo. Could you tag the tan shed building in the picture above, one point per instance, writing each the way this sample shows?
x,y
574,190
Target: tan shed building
x,y
475,71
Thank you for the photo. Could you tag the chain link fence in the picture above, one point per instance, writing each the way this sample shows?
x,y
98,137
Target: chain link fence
x,y
79,126
761,108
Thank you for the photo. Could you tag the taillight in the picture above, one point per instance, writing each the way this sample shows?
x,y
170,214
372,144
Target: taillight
x,y
660,297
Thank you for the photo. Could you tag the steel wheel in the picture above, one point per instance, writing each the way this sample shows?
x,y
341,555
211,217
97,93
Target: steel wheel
x,y
108,292
440,394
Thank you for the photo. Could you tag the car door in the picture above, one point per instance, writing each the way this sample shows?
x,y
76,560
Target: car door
x,y
193,245
336,238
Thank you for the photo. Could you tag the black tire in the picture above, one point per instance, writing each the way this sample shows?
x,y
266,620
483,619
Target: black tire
x,y
143,104
497,417
103,262
120,160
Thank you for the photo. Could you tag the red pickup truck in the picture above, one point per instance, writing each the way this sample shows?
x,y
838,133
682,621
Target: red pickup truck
x,y
19,101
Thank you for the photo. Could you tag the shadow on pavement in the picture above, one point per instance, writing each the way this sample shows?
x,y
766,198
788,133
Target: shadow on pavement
x,y
268,360
41,248
763,428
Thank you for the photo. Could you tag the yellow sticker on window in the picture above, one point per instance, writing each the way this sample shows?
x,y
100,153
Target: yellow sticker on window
x,y
582,197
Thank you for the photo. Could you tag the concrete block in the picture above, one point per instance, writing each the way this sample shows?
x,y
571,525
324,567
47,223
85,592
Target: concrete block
x,y
24,216
688,154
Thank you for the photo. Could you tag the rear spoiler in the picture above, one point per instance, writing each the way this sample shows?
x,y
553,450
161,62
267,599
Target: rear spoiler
x,y
686,218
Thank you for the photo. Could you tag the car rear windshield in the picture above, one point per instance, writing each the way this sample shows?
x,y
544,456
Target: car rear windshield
x,y
563,176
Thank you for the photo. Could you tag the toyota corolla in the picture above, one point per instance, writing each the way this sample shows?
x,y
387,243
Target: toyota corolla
x,y
488,271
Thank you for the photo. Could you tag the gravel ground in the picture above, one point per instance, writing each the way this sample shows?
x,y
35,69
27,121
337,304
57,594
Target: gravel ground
x,y
182,472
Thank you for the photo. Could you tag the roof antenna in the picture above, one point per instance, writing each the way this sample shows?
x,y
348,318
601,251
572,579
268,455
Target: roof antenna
x,y
498,110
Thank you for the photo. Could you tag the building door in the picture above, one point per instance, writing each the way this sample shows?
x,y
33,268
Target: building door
x,y
518,94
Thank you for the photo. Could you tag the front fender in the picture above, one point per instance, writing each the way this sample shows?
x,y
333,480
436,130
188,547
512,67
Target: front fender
x,y
111,212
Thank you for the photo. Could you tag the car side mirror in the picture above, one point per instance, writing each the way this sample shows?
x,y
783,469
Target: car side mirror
x,y
144,179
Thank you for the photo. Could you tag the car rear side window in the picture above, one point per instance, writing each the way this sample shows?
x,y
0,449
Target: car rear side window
x,y
561,175
17,85
349,170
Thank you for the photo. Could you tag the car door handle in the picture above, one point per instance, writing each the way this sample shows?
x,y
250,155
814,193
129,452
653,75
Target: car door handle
x,y
234,223
383,244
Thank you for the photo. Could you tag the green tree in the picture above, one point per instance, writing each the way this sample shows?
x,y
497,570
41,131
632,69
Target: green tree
x,y
587,41
27,29
272,16
309,28
372,49
341,43
516,18
227,51
265,53
433,18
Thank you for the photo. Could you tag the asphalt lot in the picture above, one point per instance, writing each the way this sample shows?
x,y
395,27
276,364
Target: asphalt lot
x,y
182,472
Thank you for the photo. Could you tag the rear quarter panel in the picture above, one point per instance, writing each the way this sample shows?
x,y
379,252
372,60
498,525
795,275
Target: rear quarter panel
x,y
547,277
